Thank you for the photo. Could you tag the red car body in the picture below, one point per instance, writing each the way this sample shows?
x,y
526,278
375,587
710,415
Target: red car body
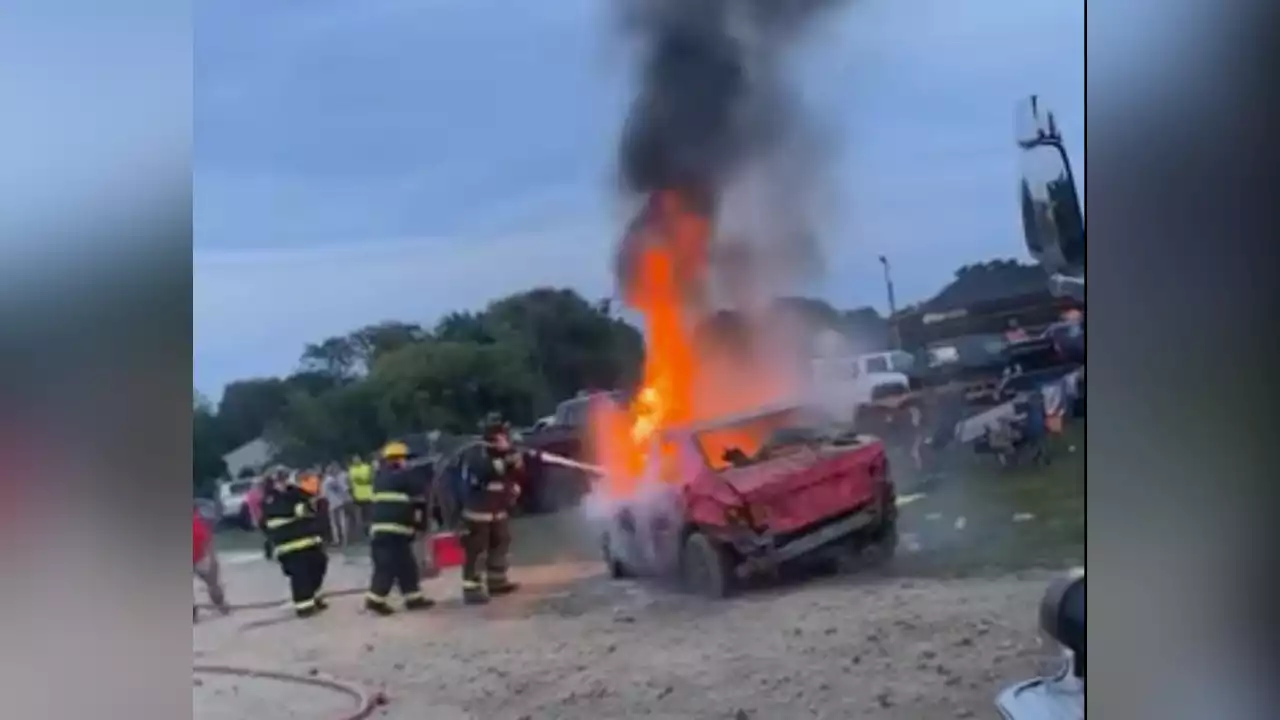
x,y
786,498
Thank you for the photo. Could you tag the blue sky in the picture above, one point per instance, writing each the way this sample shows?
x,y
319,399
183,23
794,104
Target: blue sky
x,y
397,159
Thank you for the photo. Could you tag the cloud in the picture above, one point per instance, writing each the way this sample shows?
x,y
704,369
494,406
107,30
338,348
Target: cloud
x,y
255,309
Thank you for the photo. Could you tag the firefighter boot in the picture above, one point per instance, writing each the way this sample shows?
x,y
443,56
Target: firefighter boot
x,y
473,593
377,605
417,601
502,586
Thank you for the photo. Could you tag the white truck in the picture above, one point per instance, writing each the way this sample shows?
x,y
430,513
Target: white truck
x,y
842,384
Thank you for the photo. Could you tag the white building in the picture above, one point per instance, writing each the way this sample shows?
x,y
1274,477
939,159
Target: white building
x,y
255,455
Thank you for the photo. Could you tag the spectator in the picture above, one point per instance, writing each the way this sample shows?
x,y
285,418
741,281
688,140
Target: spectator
x,y
337,493
253,500
918,431
1014,331
204,563
360,480
1036,426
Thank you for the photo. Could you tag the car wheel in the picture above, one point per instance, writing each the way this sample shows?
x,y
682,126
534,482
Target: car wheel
x,y
877,544
244,520
705,568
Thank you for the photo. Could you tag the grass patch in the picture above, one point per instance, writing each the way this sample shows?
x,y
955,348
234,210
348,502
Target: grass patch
x,y
1026,516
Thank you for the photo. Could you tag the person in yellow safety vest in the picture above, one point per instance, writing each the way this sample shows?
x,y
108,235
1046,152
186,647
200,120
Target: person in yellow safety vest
x,y
360,474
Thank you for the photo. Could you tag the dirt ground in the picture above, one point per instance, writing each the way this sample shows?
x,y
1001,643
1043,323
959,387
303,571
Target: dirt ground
x,y
575,644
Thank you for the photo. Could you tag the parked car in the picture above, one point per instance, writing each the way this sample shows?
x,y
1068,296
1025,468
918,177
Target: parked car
x,y
552,487
234,509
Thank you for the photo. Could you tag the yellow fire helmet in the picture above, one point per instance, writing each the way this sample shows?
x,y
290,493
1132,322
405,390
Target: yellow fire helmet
x,y
395,450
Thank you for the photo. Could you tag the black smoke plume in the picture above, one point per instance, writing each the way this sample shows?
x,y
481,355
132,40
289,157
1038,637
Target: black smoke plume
x,y
711,101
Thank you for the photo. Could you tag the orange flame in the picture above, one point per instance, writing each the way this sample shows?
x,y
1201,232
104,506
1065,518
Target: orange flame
x,y
667,285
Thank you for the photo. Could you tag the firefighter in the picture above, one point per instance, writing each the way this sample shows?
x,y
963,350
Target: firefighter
x,y
399,514
290,522
491,491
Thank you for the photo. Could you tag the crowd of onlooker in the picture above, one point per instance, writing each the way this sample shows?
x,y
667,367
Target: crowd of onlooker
x,y
342,497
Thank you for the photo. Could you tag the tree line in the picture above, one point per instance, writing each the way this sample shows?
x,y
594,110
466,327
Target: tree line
x,y
350,393
520,355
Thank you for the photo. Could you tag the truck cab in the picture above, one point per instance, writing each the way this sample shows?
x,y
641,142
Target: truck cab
x,y
844,384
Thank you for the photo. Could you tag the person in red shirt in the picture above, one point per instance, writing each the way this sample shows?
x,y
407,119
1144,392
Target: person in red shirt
x,y
204,561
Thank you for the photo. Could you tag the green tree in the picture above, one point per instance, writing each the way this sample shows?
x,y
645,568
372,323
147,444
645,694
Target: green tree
x,y
374,341
569,342
520,355
248,407
449,386
464,327
207,447
334,357
352,355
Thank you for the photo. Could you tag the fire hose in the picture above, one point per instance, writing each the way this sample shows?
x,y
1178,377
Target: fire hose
x,y
366,702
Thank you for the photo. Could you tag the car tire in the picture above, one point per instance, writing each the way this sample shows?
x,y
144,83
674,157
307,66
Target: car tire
x,y
705,568
874,545
883,543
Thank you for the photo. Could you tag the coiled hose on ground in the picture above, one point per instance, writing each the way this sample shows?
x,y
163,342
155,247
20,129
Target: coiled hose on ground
x,y
366,702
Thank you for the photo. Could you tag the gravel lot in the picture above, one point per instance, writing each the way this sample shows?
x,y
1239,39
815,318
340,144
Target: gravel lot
x,y
577,645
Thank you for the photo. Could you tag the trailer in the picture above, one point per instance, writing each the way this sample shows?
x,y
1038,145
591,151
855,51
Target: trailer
x,y
744,495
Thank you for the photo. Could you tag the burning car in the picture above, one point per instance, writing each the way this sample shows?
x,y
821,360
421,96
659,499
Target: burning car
x,y
742,495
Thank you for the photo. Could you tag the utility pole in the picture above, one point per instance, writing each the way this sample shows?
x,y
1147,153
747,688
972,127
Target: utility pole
x,y
893,305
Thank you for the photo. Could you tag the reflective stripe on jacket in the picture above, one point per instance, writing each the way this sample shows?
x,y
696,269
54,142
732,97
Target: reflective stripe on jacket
x,y
289,521
398,499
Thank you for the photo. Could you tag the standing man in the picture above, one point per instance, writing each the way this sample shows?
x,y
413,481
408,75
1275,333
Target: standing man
x,y
338,496
290,522
361,477
491,492
399,511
